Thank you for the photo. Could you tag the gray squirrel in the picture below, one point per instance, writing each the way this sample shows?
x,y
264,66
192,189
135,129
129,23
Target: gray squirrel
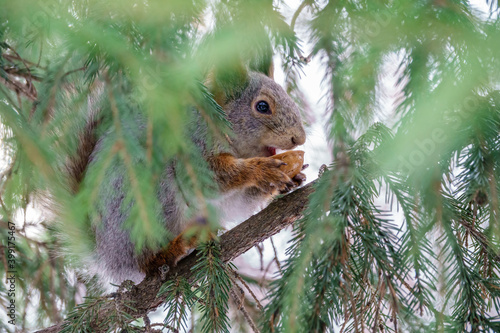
x,y
263,118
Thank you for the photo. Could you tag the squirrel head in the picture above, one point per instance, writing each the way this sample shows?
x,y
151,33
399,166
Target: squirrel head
x,y
264,118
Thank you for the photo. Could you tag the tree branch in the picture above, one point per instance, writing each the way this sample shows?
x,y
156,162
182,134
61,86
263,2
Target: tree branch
x,y
142,298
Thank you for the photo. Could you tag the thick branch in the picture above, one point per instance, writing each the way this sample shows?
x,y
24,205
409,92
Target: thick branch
x,y
143,297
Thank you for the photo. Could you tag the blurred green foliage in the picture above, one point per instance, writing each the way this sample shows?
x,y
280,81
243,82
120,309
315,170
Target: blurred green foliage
x,y
435,157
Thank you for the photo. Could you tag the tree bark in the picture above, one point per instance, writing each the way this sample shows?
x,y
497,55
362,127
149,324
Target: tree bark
x,y
142,298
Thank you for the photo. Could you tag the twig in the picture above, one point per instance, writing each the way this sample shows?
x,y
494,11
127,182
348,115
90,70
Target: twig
x,y
297,13
173,329
481,239
73,71
236,275
264,276
276,256
21,59
239,303
18,89
11,57
147,323
261,255
295,16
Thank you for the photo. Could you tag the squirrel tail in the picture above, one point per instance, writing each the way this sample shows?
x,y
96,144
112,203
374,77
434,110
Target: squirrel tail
x,y
77,164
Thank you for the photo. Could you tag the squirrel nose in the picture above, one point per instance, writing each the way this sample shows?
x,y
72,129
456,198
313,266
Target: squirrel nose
x,y
298,139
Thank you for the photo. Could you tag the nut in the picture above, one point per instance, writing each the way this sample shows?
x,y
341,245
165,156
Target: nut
x,y
294,160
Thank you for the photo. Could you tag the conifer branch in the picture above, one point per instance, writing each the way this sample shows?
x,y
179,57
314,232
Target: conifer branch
x,y
142,298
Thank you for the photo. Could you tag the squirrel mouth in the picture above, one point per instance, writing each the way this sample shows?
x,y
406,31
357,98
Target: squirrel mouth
x,y
271,151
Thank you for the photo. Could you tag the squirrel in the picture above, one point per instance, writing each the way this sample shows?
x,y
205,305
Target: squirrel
x,y
263,118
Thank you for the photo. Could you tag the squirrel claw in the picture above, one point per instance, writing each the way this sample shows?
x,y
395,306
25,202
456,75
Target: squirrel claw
x,y
297,181
299,178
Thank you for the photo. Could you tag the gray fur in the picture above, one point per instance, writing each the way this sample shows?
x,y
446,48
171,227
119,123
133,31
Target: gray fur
x,y
276,130
115,257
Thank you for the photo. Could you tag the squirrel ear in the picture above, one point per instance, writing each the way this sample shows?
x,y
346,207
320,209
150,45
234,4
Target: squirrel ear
x,y
264,67
261,57
227,82
270,70
263,63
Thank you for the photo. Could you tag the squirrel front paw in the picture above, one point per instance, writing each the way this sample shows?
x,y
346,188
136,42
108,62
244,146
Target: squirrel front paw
x,y
266,174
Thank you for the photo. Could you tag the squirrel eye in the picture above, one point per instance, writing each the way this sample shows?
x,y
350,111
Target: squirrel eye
x,y
263,107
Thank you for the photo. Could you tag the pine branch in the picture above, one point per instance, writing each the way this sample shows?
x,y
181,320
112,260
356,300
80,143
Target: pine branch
x,y
142,298
481,239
